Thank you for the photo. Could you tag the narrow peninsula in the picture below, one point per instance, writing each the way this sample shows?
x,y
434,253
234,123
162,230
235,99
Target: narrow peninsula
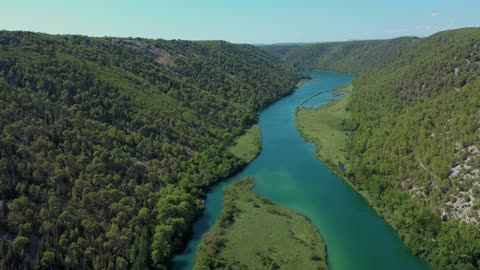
x,y
277,237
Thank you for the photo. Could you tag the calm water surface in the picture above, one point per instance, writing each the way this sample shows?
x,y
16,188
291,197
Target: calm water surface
x,y
289,174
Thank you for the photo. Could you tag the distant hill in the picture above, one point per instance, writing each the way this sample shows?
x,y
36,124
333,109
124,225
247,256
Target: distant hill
x,y
350,57
414,135
107,145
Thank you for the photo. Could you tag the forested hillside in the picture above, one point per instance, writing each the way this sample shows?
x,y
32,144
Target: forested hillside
x,y
350,57
107,145
414,137
415,140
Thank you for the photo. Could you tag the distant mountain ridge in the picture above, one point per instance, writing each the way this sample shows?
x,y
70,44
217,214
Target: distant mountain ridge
x,y
349,56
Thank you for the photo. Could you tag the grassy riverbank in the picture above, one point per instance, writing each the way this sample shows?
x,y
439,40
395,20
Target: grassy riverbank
x,y
277,237
323,126
248,146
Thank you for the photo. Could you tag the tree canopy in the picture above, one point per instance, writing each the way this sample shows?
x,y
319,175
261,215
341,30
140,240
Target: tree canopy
x,y
107,145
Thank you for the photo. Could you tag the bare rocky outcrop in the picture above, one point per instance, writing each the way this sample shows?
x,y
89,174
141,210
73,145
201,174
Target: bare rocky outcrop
x,y
466,202
161,56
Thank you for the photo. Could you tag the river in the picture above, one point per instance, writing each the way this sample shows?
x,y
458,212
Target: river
x,y
288,173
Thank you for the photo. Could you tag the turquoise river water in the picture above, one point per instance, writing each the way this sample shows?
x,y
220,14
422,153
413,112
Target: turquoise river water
x,y
288,173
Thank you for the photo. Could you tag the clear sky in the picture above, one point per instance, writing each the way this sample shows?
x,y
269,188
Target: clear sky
x,y
241,21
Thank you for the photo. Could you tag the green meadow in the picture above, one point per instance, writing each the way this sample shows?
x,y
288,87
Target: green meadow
x,y
248,146
323,127
254,233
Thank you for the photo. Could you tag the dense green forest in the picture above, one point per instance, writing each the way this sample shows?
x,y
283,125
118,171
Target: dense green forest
x,y
349,57
107,145
414,137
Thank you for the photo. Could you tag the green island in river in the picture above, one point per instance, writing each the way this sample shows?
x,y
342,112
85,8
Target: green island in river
x,y
277,237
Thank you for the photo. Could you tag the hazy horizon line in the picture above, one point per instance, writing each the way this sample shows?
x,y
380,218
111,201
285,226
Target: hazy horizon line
x,y
286,43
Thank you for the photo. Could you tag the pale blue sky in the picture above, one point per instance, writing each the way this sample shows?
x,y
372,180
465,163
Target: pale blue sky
x,y
241,21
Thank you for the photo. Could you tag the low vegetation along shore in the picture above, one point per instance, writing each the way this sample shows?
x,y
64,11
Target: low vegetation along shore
x,y
323,126
248,146
249,218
